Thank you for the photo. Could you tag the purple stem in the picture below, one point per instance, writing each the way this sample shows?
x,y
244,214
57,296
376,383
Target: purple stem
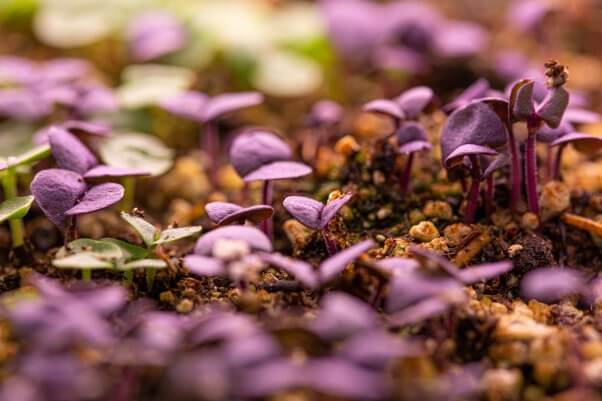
x,y
555,171
490,190
515,169
210,145
266,198
531,172
406,174
549,163
331,246
473,194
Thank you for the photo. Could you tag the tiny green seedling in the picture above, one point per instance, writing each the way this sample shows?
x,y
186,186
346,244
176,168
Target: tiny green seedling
x,y
106,254
15,207
154,238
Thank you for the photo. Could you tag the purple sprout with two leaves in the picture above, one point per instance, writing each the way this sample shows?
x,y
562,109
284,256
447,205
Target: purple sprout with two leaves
x,y
260,155
77,186
206,112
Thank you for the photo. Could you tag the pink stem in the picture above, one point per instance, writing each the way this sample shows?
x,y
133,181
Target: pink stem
x,y
331,246
531,174
210,145
406,174
473,195
557,163
267,194
489,194
515,169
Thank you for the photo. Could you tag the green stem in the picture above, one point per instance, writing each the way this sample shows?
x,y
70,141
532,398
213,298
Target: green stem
x,y
129,183
150,278
86,274
9,184
128,275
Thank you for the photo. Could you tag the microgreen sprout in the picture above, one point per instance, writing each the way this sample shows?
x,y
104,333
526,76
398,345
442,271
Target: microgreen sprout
x,y
316,215
259,155
154,239
206,111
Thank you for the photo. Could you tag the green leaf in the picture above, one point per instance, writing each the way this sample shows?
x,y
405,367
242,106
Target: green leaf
x,y
147,231
101,249
82,260
136,150
15,208
175,234
129,251
143,264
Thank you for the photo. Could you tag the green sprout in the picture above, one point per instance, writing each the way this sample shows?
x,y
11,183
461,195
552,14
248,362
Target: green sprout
x,y
15,207
106,254
154,238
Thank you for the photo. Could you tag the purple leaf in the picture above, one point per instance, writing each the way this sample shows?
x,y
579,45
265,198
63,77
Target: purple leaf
x,y
342,315
255,148
546,134
204,265
486,271
411,137
97,198
586,143
466,150
474,124
377,348
304,209
217,211
223,326
550,284
154,34
228,102
397,265
459,39
343,379
410,287
96,99
17,70
423,310
552,108
69,152
63,70
428,256
103,171
334,265
254,237
521,100
250,351
56,191
501,161
23,104
188,105
87,127
414,100
279,170
384,106
271,377
255,214
332,208
326,112
576,115
414,146
302,271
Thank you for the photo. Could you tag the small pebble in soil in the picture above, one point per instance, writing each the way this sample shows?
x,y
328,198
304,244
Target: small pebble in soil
x,y
455,234
438,209
185,306
529,221
346,146
424,231
555,199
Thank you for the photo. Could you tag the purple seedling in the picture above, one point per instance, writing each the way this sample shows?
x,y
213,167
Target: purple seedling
x,y
411,138
15,207
81,129
470,132
206,111
550,111
223,213
415,101
316,215
388,108
259,155
76,164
